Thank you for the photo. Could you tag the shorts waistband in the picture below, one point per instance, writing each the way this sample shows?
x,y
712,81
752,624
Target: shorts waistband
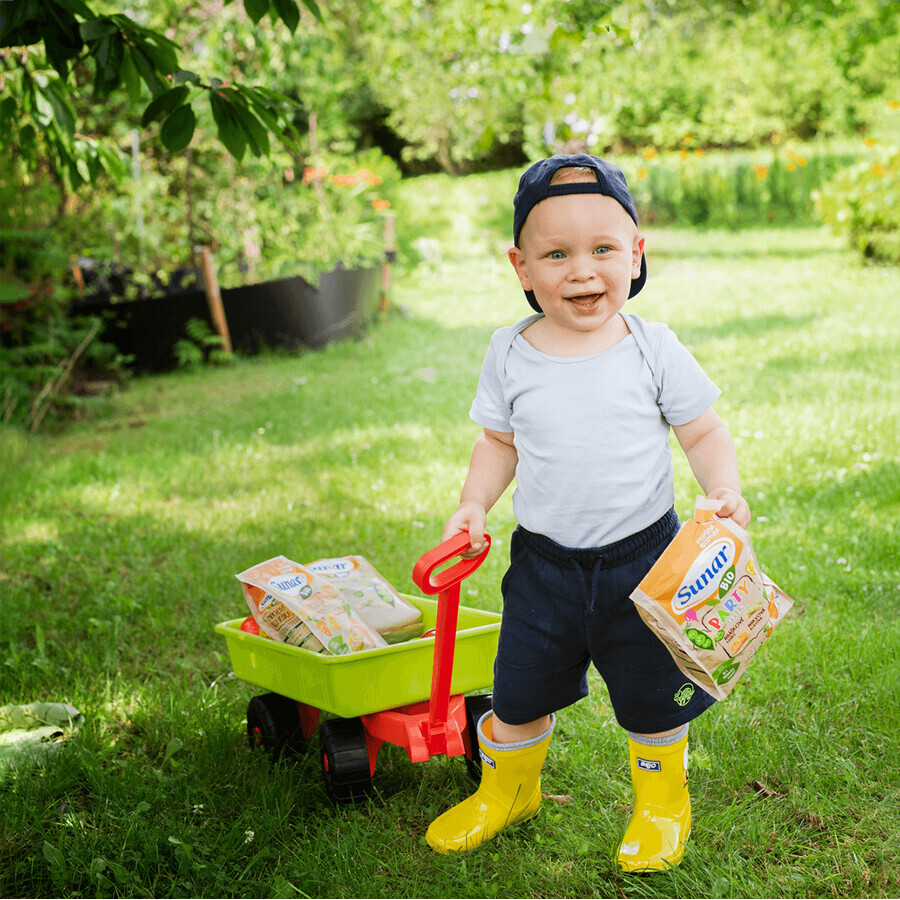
x,y
615,554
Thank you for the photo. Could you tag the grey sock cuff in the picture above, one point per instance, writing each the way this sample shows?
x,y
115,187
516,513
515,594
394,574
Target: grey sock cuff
x,y
659,741
518,745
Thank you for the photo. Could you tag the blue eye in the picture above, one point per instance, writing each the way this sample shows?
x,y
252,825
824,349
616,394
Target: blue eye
x,y
602,250
556,254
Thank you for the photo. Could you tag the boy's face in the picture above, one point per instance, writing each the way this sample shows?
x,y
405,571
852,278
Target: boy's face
x,y
579,254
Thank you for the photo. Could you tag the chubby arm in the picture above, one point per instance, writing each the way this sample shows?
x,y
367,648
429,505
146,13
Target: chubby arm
x,y
710,451
491,470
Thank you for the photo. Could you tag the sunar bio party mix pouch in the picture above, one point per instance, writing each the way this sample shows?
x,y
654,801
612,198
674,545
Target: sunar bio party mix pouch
x,y
297,606
371,597
709,602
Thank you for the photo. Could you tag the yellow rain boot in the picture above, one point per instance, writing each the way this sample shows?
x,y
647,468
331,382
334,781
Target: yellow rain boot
x,y
510,792
661,822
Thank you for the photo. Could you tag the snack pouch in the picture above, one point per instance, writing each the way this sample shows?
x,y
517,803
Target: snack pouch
x,y
709,602
372,597
294,605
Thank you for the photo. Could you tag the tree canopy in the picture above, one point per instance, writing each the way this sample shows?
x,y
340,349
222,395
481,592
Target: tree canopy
x,y
53,49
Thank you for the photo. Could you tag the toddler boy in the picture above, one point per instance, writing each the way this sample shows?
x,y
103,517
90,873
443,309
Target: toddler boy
x,y
576,403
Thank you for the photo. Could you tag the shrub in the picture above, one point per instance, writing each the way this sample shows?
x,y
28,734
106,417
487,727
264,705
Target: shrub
x,y
730,189
863,202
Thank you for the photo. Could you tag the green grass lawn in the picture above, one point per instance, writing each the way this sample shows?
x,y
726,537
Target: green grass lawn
x,y
120,538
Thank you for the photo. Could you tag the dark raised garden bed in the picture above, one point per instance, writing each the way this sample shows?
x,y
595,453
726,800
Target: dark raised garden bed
x,y
288,312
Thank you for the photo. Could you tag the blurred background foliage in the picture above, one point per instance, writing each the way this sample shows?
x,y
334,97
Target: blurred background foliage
x,y
276,132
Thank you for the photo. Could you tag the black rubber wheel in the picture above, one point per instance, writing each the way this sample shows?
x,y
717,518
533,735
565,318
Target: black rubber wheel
x,y
345,760
273,724
476,707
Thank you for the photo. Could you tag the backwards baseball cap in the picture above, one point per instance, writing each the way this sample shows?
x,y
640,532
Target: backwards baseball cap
x,y
534,186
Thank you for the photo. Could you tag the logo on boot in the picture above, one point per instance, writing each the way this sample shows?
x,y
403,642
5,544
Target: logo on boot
x,y
486,759
649,765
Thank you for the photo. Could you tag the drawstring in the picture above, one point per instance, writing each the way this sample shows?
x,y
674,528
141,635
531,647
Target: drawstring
x,y
580,571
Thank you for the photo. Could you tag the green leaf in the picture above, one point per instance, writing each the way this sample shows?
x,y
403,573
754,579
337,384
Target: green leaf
x,y
130,79
313,7
257,135
145,69
96,29
230,132
261,108
161,106
111,160
12,293
289,13
63,111
178,129
182,76
76,6
54,856
256,9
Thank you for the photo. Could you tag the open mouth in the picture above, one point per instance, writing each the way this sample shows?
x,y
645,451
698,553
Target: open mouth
x,y
585,301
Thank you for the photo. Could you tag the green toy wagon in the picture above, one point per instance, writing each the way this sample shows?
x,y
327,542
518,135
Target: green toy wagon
x,y
411,694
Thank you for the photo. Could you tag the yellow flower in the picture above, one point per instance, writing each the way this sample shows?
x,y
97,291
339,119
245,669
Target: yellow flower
x,y
761,171
877,169
684,154
699,152
649,153
642,173
791,166
894,104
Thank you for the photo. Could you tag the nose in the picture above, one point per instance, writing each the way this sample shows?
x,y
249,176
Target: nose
x,y
581,267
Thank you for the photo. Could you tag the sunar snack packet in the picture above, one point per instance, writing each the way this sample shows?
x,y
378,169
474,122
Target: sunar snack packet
x,y
294,605
276,621
372,597
709,602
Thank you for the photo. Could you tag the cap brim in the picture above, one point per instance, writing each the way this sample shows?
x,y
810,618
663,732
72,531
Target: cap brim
x,y
636,285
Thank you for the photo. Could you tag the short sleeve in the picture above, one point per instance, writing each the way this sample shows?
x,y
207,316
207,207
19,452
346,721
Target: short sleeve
x,y
685,391
490,409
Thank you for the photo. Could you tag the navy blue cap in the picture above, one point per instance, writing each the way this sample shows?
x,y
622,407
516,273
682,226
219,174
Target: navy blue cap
x,y
534,186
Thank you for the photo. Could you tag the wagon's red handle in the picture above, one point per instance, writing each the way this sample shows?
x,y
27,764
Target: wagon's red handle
x,y
446,585
459,543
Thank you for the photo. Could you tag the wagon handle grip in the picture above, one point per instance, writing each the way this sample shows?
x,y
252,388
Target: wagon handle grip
x,y
422,572
446,585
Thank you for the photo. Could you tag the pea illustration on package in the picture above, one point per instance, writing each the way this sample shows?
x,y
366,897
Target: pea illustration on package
x,y
709,602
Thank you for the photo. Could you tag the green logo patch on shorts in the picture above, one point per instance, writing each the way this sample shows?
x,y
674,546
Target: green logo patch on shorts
x,y
684,693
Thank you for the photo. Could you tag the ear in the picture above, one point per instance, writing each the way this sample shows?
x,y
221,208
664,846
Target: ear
x,y
637,252
517,258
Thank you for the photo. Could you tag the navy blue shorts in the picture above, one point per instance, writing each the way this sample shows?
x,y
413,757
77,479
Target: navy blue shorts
x,y
564,608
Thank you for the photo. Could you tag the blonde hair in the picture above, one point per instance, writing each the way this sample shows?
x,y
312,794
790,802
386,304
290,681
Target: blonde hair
x,y
569,174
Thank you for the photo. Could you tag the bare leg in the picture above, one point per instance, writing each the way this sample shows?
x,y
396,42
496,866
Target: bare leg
x,y
502,733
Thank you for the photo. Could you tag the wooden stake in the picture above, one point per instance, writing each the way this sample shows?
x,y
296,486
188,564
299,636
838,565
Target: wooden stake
x,y
390,254
214,298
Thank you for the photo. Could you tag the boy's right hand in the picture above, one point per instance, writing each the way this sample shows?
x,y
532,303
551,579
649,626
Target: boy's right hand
x,y
471,517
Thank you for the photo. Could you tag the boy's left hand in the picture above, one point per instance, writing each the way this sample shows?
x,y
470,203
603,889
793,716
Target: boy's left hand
x,y
734,506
